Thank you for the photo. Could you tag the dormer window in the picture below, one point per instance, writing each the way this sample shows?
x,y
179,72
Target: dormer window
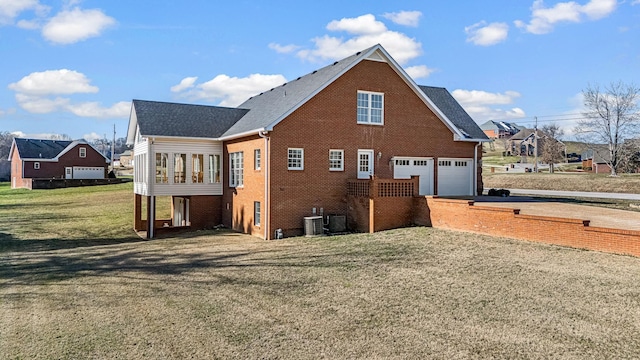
x,y
370,108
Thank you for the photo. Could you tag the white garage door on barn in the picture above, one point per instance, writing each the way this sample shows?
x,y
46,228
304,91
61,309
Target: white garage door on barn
x,y
84,172
405,167
455,176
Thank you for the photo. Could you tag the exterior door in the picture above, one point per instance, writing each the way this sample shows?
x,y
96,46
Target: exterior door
x,y
68,172
365,164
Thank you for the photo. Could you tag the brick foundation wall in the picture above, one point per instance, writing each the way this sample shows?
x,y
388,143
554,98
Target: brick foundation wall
x,y
466,216
204,211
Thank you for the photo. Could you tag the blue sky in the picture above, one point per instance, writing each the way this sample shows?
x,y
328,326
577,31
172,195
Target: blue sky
x,y
72,67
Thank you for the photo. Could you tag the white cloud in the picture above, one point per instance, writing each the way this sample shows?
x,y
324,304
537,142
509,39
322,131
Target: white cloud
x,y
635,2
407,18
543,19
49,82
481,104
366,31
39,93
92,136
419,71
71,26
41,105
362,25
185,84
10,9
478,97
283,49
95,110
486,35
232,91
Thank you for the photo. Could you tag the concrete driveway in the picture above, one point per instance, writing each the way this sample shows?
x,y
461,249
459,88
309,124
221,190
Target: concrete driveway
x,y
599,216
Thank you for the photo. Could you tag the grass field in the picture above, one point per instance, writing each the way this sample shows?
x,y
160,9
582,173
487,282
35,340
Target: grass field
x,y
79,284
627,183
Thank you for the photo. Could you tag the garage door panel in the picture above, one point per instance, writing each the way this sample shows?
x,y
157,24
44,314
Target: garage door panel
x,y
405,168
455,176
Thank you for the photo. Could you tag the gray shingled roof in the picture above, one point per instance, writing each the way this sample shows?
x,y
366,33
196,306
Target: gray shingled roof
x,y
454,112
184,120
40,149
272,105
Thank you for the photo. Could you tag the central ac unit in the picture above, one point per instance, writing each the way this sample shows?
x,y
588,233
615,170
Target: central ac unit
x,y
313,226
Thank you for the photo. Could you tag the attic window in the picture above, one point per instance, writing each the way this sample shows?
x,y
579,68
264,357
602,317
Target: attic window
x,y
83,152
36,165
370,108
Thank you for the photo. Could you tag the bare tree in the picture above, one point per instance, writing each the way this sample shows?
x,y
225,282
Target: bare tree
x,y
552,149
6,140
611,118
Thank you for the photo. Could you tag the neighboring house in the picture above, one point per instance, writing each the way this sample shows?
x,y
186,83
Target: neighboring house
x,y
126,158
524,142
302,149
595,161
54,159
500,129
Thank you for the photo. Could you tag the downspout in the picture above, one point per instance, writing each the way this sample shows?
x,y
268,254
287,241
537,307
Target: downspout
x,y
475,168
266,220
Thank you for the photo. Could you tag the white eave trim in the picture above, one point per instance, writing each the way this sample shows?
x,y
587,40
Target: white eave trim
x,y
242,134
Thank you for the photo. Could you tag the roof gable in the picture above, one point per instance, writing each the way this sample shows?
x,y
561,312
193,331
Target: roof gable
x,y
272,106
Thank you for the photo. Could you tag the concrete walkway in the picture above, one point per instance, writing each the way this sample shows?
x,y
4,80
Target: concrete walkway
x,y
576,194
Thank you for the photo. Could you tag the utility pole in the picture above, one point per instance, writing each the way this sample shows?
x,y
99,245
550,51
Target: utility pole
x,y
113,145
535,142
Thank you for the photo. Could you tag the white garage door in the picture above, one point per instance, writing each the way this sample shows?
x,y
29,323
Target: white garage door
x,y
86,172
405,167
455,176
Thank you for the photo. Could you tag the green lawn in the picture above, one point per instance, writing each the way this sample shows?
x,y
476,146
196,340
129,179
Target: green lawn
x,y
74,291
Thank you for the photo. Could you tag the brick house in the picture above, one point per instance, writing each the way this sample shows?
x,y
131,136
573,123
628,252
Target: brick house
x,y
299,150
500,129
54,159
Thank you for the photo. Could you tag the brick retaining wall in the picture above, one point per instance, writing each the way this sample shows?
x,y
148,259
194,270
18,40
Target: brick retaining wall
x,y
465,215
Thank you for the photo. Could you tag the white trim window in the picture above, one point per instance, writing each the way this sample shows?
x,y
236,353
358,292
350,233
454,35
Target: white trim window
x,y
162,167
295,159
83,152
370,108
257,159
336,160
236,169
256,213
179,168
36,165
214,169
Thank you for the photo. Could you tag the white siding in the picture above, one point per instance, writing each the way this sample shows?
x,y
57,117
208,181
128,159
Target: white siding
x,y
140,168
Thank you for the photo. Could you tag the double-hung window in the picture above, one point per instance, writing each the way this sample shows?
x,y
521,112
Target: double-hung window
x,y
256,213
370,108
162,160
236,169
179,168
36,165
336,160
197,168
214,169
295,159
257,159
83,152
